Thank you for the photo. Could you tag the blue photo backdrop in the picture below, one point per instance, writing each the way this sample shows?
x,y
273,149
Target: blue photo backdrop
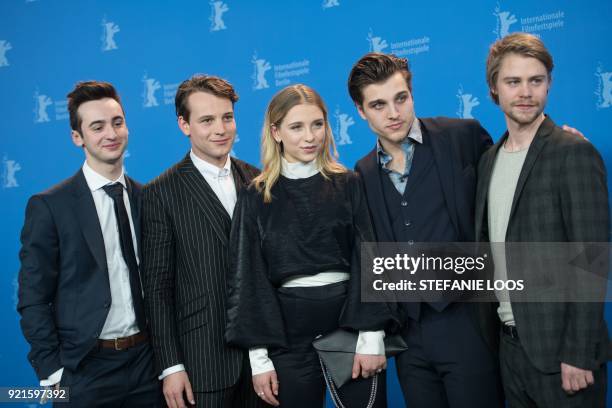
x,y
147,48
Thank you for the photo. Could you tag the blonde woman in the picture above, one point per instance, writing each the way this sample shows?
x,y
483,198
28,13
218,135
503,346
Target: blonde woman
x,y
295,264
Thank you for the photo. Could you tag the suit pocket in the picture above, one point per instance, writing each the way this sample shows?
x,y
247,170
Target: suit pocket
x,y
192,315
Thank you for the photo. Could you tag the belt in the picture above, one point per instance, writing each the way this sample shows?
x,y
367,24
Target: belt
x,y
510,331
123,343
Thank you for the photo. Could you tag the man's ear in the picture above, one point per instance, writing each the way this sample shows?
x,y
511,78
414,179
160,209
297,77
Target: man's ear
x,y
184,126
360,111
77,139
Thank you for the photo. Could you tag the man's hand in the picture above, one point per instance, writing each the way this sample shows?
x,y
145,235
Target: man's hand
x,y
174,386
573,131
266,387
574,379
368,365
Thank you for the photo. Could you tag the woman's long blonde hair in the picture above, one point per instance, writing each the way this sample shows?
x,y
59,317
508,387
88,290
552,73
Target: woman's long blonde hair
x,y
271,151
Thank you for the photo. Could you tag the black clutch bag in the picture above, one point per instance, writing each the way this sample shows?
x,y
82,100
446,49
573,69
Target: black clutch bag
x,y
336,352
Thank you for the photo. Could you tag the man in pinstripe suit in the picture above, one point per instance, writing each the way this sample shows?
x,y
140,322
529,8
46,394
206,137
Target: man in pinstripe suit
x,y
187,214
540,183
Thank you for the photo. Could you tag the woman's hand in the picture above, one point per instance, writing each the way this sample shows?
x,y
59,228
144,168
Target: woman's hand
x,y
367,365
266,387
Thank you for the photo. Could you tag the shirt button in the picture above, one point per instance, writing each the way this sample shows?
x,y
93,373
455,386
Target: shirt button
x,y
404,203
408,223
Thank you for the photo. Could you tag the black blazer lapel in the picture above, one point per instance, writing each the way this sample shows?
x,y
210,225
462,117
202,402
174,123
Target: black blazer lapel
x,y
87,216
134,194
368,168
206,199
445,163
485,169
539,141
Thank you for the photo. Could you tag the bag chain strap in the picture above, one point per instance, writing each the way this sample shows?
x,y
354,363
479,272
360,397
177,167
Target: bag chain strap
x,y
334,392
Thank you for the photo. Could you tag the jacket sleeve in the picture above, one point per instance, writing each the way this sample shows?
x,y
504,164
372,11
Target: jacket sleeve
x,y
359,315
38,276
254,318
585,211
158,277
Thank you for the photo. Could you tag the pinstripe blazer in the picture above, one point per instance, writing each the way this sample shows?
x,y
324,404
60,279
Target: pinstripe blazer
x,y
561,196
184,265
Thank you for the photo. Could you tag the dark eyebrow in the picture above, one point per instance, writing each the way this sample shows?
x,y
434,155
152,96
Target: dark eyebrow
x,y
118,117
206,117
375,102
401,93
295,123
96,122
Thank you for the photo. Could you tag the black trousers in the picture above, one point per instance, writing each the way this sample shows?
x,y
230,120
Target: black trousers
x,y
113,379
527,387
447,363
309,312
239,395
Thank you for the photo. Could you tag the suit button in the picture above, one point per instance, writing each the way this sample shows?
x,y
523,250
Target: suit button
x,y
410,242
404,203
408,223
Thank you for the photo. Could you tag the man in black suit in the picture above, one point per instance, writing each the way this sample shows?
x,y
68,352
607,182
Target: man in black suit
x,y
542,184
80,296
420,182
187,215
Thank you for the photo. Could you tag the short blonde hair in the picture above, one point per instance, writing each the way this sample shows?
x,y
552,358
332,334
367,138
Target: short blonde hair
x,y
523,44
271,151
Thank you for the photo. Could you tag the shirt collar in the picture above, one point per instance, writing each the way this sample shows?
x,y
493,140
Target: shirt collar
x,y
211,170
299,170
414,135
96,181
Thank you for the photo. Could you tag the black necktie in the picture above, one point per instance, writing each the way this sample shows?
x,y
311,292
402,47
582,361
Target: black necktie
x,y
115,191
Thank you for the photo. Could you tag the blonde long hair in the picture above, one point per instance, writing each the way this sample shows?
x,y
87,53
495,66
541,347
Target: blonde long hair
x,y
271,151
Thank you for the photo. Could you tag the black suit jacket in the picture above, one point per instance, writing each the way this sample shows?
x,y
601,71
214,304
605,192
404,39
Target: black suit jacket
x,y
64,291
185,262
457,145
561,196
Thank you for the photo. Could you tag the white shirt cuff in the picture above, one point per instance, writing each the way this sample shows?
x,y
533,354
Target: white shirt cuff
x,y
371,342
53,378
171,370
260,362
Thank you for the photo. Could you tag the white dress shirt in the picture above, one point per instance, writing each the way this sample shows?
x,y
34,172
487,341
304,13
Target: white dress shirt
x,y
121,318
368,342
222,183
219,179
